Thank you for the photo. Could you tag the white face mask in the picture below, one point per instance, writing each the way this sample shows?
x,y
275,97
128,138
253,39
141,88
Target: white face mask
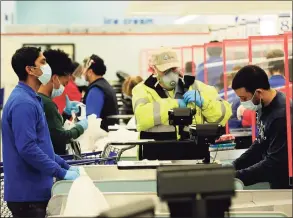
x,y
47,73
169,80
57,92
80,81
250,106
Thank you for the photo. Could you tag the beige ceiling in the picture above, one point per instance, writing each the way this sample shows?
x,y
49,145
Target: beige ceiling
x,y
182,8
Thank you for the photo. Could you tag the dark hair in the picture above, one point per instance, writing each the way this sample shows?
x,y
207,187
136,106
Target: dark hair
x,y
23,57
59,62
98,66
214,51
276,65
189,66
74,66
251,77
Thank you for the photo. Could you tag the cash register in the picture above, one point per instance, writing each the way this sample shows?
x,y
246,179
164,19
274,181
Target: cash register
x,y
193,143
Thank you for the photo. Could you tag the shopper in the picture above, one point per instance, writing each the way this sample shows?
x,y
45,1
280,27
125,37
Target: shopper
x,y
30,163
61,70
71,89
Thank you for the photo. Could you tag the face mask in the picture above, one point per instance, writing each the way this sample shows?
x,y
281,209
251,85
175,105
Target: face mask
x,y
250,106
47,73
57,92
80,81
169,80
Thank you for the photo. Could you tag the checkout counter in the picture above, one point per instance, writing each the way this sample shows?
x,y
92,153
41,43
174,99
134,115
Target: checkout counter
x,y
164,182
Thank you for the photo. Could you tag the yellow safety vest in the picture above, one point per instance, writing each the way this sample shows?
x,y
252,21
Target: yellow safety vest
x,y
151,110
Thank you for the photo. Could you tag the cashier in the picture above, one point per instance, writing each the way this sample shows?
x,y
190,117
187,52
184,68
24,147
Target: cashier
x,y
165,90
267,158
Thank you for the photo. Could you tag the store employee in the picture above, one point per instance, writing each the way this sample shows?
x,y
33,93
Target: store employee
x,y
267,158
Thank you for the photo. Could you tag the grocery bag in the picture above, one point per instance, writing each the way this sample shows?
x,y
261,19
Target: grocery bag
x,y
84,198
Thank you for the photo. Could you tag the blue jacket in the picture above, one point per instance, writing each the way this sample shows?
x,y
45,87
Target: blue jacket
x,y
277,81
234,100
214,72
28,156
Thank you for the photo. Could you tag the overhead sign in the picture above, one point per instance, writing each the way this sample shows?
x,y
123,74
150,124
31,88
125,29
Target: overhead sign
x,y
284,23
128,21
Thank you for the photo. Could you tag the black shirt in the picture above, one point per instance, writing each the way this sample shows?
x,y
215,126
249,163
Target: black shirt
x,y
267,158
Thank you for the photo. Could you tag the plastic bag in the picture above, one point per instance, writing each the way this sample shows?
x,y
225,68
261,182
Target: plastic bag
x,y
122,134
94,132
84,198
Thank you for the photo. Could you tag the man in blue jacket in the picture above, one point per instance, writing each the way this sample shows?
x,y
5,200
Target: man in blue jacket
x,y
276,68
214,66
30,163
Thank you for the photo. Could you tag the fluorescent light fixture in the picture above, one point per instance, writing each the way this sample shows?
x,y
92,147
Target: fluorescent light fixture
x,y
185,19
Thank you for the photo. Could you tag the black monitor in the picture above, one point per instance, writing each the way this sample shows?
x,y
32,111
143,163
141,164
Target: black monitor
x,y
193,191
143,208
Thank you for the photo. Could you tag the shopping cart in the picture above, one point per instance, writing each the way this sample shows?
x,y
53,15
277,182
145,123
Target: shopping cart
x,y
109,156
4,211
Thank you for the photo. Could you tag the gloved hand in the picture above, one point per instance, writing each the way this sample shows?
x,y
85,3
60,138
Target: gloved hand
x,y
74,168
240,112
193,96
181,103
71,106
71,175
83,123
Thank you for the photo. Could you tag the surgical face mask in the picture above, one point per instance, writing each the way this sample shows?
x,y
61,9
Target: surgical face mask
x,y
250,105
57,92
169,80
47,73
80,81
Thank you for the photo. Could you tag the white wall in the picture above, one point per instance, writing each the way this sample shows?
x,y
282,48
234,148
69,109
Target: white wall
x,y
120,52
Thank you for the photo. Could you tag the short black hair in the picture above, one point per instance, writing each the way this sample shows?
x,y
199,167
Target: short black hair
x,y
74,66
98,66
251,77
214,51
59,62
23,57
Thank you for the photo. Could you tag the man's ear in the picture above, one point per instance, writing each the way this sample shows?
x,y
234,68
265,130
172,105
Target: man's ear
x,y
28,70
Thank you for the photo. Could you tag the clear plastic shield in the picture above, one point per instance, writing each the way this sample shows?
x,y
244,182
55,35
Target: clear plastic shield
x,y
210,72
235,56
288,90
197,58
266,52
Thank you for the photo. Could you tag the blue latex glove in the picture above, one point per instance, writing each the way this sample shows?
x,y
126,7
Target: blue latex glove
x,y
83,123
71,106
181,103
193,96
74,168
71,175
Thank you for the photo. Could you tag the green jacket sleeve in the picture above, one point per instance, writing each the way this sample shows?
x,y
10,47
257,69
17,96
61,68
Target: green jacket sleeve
x,y
59,136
